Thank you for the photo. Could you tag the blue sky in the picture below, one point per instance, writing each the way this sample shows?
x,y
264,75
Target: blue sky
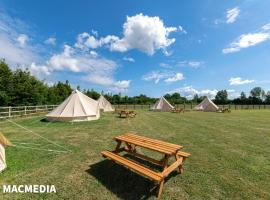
x,y
134,47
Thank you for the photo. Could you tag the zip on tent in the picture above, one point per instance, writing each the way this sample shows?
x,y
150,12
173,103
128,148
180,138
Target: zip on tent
x,y
34,146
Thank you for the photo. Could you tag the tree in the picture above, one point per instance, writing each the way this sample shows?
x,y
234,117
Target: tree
x,y
257,95
267,98
5,84
221,97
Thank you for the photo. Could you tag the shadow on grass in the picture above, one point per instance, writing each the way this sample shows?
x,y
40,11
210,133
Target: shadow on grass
x,y
123,182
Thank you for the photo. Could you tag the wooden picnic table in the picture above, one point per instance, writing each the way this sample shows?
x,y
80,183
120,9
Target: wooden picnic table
x,y
178,110
129,142
126,113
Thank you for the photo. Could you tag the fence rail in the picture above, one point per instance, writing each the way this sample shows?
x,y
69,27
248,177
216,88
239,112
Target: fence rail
x,y
19,111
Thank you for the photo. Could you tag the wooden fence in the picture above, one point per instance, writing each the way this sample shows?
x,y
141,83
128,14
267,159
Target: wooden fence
x,y
19,111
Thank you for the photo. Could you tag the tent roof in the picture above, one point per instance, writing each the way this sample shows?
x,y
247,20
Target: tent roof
x,y
76,105
162,102
4,141
206,103
103,103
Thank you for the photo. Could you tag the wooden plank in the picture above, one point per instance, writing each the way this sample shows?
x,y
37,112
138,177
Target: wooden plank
x,y
172,167
172,150
154,140
134,166
183,154
149,142
145,145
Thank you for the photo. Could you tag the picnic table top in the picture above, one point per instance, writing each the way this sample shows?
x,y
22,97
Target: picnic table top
x,y
152,144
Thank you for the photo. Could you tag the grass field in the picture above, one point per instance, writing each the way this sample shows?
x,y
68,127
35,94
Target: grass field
x,y
230,156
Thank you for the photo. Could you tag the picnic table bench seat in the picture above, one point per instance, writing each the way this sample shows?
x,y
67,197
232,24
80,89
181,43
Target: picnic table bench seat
x,y
157,177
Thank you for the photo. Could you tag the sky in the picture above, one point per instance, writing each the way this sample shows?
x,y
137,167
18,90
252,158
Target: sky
x,y
148,47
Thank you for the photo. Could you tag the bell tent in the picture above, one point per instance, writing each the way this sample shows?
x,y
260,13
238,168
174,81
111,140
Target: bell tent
x,y
3,142
77,107
162,105
206,105
104,104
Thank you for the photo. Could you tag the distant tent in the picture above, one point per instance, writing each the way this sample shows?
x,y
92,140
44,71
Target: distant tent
x,y
3,142
104,104
162,105
206,105
77,107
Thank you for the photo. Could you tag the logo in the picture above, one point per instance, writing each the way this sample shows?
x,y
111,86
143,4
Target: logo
x,y
29,189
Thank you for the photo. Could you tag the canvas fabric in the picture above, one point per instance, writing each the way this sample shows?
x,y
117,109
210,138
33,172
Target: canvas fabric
x,y
104,104
162,105
77,107
207,105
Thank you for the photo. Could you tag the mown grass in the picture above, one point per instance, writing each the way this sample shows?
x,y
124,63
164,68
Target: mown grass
x,y
230,156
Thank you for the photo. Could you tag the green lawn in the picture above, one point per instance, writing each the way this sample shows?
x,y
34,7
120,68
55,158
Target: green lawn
x,y
230,156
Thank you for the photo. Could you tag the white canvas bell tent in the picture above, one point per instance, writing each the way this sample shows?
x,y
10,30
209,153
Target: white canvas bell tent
x,y
104,104
3,143
206,105
77,107
162,105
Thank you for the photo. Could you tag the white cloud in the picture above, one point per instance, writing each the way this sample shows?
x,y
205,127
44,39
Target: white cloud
x,y
266,27
165,65
177,77
144,33
96,70
93,53
50,40
245,41
167,76
182,30
141,32
14,46
232,14
129,59
121,85
189,92
39,70
190,63
155,76
22,39
239,81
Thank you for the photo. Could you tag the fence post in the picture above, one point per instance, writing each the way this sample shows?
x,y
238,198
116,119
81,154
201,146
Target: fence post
x,y
9,111
259,107
234,106
191,106
24,110
253,106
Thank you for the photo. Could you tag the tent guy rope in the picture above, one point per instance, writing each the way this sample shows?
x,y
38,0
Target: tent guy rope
x,y
66,150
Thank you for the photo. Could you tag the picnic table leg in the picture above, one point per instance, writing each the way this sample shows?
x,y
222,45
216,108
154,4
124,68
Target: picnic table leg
x,y
180,168
161,184
117,148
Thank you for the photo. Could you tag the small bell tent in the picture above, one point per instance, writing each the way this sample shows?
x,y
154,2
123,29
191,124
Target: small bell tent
x,y
104,104
206,105
162,105
77,107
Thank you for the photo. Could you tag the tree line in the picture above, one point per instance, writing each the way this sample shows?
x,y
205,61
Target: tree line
x,y
19,88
